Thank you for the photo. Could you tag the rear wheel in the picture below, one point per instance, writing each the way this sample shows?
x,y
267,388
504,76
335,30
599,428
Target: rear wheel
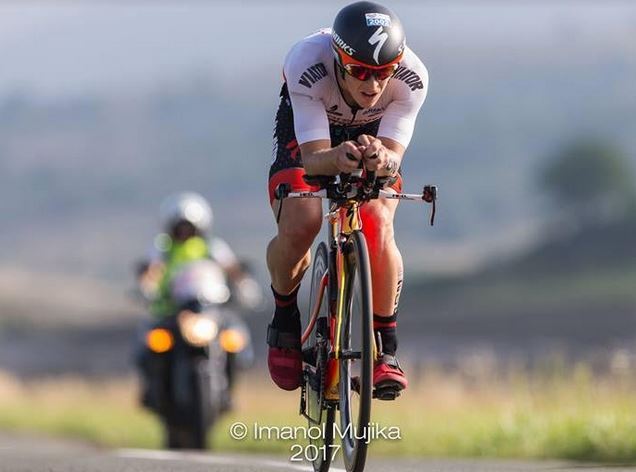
x,y
356,354
315,351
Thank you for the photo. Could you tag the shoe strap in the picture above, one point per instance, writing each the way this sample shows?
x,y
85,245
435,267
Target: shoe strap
x,y
391,361
282,339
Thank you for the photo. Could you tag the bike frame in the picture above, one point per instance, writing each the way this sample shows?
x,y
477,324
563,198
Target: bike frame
x,y
344,219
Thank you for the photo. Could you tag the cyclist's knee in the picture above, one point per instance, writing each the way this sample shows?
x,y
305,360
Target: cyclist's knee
x,y
378,219
300,226
299,234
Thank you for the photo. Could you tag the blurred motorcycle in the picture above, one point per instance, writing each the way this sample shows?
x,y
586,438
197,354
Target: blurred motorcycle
x,y
191,358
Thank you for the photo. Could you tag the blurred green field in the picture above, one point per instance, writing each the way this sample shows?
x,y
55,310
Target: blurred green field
x,y
565,414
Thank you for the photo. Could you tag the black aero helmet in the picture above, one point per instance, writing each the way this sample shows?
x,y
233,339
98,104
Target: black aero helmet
x,y
369,34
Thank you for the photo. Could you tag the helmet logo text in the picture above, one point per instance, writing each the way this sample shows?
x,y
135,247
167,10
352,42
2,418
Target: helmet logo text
x,y
342,45
379,38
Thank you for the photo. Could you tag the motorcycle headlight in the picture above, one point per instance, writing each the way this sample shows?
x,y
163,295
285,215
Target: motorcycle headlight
x,y
197,329
232,340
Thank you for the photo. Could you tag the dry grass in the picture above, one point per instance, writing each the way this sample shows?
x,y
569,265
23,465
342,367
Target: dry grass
x,y
566,413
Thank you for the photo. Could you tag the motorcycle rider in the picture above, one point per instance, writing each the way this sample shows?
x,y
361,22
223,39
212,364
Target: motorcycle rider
x,y
186,220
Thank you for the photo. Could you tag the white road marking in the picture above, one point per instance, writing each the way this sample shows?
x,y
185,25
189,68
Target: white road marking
x,y
210,459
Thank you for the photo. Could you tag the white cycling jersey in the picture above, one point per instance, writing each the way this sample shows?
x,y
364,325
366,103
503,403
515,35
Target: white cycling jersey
x,y
317,102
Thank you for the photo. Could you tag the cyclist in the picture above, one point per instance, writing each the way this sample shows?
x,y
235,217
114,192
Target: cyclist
x,y
354,89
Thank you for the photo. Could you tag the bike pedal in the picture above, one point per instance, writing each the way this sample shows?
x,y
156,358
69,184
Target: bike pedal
x,y
387,391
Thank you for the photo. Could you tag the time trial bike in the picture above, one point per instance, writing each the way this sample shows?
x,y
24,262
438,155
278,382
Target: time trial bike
x,y
339,348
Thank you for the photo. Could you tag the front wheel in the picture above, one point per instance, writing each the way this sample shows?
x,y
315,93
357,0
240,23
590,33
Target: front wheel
x,y
355,343
188,424
315,348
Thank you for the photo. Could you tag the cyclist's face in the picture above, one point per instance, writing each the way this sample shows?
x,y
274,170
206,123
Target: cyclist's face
x,y
366,93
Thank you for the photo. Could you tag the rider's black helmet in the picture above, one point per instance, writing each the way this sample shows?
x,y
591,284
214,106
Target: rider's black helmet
x,y
368,34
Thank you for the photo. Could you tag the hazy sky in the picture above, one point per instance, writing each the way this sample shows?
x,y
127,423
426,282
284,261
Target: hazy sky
x,y
67,47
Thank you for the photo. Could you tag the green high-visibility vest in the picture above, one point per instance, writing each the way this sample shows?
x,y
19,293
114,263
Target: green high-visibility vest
x,y
178,254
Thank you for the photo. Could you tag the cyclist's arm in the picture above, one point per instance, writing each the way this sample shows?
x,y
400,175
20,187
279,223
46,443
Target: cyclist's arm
x,y
319,158
311,126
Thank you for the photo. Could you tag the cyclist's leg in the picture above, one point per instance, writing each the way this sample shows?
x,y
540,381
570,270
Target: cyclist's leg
x,y
288,255
384,255
386,273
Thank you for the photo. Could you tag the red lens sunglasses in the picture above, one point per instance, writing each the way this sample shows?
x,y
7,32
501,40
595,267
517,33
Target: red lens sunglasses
x,y
364,72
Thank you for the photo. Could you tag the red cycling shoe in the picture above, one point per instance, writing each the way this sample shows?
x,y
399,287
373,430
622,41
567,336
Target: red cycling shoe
x,y
284,358
388,378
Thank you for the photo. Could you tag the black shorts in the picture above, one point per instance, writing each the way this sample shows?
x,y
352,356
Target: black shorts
x,y
287,165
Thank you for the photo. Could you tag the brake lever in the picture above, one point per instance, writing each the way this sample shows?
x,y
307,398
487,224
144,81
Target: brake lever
x,y
281,192
429,195
280,209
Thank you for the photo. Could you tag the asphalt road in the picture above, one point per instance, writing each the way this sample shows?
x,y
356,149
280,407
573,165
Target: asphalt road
x,y
20,454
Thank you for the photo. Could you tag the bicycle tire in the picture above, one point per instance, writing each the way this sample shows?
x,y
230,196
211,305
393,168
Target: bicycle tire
x,y
323,415
357,310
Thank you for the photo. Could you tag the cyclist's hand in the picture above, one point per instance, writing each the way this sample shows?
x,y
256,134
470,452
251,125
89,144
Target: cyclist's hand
x,y
344,163
374,153
378,157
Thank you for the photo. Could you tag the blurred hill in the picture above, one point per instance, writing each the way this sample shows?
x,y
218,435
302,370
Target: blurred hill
x,y
572,296
52,324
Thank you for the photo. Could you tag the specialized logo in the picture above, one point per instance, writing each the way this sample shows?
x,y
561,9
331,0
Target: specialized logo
x,y
378,19
409,77
379,38
313,75
342,45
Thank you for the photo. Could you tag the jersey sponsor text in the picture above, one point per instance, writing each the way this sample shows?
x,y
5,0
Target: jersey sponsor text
x,y
409,77
313,74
